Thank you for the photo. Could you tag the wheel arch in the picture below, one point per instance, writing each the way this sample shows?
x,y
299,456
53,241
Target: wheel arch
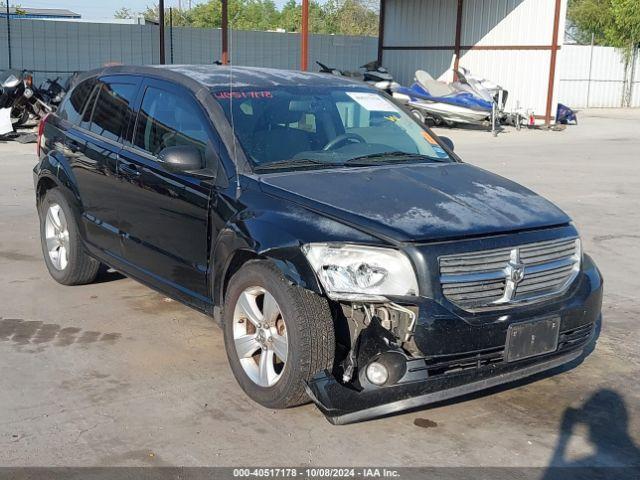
x,y
233,250
54,171
47,181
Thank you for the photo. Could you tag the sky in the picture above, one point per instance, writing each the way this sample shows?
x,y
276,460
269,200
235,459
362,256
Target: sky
x,y
97,9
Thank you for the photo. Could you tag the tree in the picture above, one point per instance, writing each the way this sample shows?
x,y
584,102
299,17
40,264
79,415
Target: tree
x,y
18,10
349,17
291,17
181,18
123,13
611,22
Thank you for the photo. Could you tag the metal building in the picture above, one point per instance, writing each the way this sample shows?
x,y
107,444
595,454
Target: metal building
x,y
515,43
39,13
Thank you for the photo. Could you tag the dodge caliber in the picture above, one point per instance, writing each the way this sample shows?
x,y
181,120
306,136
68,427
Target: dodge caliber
x,y
349,255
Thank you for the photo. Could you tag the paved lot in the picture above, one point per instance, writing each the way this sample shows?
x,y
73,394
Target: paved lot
x,y
115,374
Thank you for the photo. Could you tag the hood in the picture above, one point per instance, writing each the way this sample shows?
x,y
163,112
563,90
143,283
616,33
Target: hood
x,y
418,202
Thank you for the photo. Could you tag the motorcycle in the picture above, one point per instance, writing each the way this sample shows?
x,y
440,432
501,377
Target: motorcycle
x,y
373,73
19,95
52,91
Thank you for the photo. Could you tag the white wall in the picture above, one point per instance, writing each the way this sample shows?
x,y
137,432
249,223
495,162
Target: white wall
x,y
485,23
595,77
525,75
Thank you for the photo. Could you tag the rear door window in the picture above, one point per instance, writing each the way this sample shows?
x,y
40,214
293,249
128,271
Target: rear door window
x,y
168,119
112,109
85,121
73,106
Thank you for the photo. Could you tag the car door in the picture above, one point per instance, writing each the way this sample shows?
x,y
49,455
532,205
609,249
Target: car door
x,y
94,144
163,214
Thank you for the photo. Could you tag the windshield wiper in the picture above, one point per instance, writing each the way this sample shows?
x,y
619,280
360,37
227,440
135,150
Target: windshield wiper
x,y
295,163
388,157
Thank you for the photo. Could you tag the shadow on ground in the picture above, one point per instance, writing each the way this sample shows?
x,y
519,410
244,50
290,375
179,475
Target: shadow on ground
x,y
607,420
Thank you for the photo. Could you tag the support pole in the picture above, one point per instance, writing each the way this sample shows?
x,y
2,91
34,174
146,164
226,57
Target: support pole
x,y
161,21
381,31
304,36
552,63
456,62
9,35
171,35
632,76
593,38
225,32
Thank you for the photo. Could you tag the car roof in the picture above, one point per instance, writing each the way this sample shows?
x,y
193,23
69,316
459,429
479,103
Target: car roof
x,y
219,76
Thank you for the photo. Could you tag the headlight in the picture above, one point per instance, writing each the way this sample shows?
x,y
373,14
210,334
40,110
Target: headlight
x,y
355,272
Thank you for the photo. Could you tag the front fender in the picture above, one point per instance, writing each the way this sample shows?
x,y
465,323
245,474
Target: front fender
x,y
259,239
276,233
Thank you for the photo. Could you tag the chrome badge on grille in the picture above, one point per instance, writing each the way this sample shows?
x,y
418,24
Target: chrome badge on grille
x,y
494,278
514,274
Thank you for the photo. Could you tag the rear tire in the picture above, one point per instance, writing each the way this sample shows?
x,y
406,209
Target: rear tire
x,y
65,257
303,319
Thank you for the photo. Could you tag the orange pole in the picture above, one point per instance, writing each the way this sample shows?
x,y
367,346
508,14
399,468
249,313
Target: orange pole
x,y
456,63
225,32
552,65
304,36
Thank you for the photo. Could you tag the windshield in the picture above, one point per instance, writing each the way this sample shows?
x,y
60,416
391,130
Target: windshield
x,y
10,81
314,127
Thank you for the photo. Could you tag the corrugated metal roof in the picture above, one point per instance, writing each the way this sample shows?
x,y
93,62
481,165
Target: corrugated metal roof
x,y
42,12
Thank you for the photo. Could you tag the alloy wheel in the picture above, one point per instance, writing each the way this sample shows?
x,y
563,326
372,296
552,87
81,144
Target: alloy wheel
x,y
56,232
260,336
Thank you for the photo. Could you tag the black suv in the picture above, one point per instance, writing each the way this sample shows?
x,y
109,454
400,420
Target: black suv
x,y
349,254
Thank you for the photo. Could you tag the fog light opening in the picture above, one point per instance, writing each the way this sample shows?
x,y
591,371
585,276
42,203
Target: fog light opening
x,y
377,373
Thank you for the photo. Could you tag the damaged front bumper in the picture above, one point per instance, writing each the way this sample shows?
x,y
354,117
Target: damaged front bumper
x,y
458,355
342,404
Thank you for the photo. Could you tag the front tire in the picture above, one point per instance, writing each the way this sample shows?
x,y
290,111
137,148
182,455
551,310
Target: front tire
x,y
277,335
19,116
64,254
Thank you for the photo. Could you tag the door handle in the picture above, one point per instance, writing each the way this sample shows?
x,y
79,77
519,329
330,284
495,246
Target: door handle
x,y
129,170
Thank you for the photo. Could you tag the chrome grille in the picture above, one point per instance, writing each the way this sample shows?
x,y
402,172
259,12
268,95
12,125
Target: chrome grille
x,y
502,277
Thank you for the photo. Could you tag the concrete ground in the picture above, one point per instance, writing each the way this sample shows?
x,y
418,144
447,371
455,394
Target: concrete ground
x,y
115,374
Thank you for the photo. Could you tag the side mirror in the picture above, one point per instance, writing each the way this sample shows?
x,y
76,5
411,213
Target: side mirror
x,y
448,143
181,158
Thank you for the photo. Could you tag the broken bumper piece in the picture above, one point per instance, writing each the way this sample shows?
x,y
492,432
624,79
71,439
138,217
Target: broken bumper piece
x,y
342,404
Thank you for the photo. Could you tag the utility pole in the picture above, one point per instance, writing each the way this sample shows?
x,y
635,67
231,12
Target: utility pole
x,y
161,21
9,34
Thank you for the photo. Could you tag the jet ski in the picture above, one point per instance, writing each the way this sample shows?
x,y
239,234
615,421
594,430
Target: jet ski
x,y
444,103
373,73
